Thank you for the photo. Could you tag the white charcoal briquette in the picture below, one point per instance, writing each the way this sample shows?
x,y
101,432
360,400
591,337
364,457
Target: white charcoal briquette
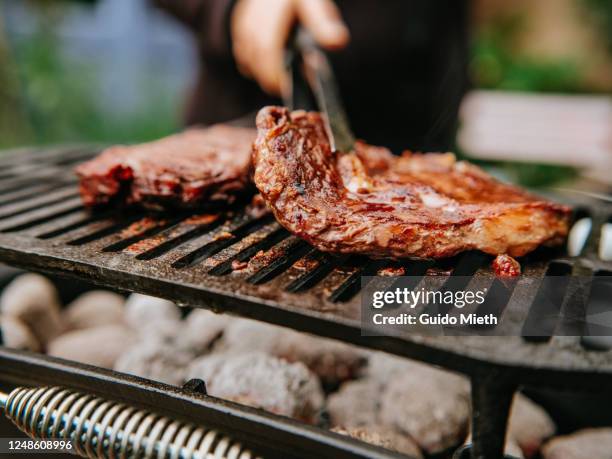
x,y
246,335
164,330
584,444
383,437
100,346
200,330
16,335
529,425
262,381
143,309
156,360
33,299
332,361
430,405
356,404
94,309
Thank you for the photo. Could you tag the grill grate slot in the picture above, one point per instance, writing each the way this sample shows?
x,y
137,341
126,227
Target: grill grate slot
x,y
25,157
468,263
246,254
21,195
27,170
466,266
497,298
28,205
105,231
154,228
575,300
543,314
7,175
598,308
187,233
351,286
20,183
325,265
218,245
293,253
521,300
82,221
41,216
25,185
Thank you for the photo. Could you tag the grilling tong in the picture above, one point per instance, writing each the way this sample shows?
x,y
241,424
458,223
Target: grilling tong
x,y
311,73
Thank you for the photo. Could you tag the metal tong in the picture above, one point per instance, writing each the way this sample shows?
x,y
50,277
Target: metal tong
x,y
311,73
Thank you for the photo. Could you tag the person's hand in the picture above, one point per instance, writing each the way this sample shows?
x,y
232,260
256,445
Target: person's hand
x,y
260,29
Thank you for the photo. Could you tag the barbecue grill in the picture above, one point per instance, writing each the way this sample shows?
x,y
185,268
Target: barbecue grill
x,y
196,259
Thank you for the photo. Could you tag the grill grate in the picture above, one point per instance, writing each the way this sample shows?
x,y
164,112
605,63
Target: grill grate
x,y
271,275
232,262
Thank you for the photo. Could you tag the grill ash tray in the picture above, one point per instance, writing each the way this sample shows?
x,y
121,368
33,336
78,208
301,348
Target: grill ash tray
x,y
250,266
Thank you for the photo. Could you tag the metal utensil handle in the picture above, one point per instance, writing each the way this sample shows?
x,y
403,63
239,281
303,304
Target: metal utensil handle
x,y
99,428
297,95
320,76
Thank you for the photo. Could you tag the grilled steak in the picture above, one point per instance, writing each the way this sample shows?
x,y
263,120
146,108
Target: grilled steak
x,y
368,201
183,170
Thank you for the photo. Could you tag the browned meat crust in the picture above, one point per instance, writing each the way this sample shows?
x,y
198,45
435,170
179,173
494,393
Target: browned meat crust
x,y
183,170
370,202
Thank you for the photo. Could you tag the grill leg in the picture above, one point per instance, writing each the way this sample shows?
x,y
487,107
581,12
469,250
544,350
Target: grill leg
x,y
491,402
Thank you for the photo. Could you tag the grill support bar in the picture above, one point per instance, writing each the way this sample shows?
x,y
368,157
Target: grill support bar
x,y
491,402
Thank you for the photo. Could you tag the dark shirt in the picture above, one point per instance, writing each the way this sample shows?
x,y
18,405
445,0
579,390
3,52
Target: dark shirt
x,y
401,77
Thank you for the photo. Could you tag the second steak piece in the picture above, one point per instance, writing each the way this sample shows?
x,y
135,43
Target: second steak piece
x,y
183,170
370,202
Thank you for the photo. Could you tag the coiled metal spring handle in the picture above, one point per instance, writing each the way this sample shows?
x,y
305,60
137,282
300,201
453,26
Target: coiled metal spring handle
x,y
99,428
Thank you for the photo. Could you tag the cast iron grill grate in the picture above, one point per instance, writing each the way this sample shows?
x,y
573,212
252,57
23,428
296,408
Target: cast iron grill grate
x,y
249,265
43,225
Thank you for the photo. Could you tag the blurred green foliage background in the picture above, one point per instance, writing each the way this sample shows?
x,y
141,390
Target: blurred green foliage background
x,y
49,98
602,10
496,65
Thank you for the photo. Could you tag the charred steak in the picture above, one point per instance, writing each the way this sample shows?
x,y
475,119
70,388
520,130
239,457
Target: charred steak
x,y
183,170
368,201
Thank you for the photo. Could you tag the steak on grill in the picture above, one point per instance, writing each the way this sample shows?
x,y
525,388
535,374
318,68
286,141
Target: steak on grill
x,y
368,201
183,170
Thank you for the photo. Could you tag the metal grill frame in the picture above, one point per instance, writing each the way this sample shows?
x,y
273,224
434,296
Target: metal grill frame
x,y
561,363
272,436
